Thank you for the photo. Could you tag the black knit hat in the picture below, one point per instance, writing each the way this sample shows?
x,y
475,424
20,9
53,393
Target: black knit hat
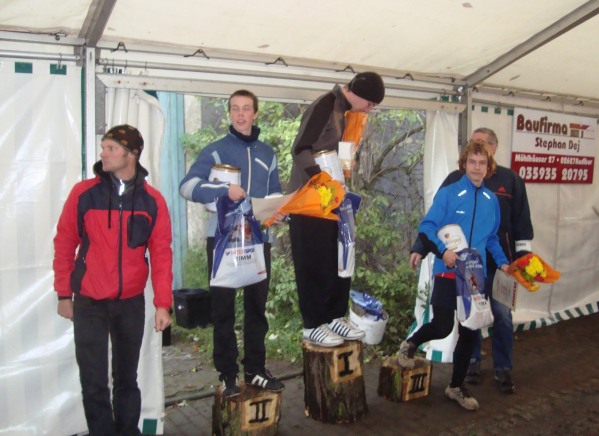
x,y
369,86
128,136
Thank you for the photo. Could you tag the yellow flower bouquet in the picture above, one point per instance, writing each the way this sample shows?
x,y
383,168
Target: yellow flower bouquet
x,y
317,198
530,268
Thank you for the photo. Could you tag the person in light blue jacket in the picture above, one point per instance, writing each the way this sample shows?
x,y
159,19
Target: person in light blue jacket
x,y
259,177
475,209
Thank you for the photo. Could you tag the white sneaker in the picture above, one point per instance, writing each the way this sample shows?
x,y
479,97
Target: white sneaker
x,y
462,396
346,329
323,336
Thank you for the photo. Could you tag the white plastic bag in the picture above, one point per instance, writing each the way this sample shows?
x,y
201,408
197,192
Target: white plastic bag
x,y
238,246
473,307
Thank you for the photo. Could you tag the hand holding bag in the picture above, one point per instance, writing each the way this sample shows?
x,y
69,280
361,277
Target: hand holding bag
x,y
473,307
238,246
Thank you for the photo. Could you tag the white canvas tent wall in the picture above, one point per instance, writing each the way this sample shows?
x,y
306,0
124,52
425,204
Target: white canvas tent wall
x,y
444,56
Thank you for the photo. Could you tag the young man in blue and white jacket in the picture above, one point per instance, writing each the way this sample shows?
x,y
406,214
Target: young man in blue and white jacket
x,y
469,204
259,177
515,236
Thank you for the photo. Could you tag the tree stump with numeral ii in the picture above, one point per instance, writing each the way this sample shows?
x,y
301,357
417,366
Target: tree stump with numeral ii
x,y
254,411
334,383
397,383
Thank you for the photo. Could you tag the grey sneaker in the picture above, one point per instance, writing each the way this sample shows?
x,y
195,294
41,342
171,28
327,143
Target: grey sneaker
x,y
323,336
346,329
405,356
462,396
504,378
473,374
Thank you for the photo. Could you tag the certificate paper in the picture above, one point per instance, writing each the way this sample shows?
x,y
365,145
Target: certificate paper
x,y
266,207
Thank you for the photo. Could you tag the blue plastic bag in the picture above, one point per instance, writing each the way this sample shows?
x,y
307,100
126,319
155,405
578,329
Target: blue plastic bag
x,y
370,304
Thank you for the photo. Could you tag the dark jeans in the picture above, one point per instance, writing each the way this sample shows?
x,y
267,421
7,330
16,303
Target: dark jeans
x,y
255,325
441,326
95,321
503,331
323,295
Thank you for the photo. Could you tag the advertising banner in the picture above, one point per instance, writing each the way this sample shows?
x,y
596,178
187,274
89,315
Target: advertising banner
x,y
548,147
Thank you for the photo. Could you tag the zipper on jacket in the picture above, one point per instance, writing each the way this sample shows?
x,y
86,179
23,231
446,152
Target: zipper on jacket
x,y
120,266
249,189
473,216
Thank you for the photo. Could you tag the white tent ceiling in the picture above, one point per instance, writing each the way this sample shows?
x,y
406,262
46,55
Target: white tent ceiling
x,y
542,49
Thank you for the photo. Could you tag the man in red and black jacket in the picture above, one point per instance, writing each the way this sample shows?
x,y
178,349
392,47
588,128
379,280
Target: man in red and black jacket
x,y
107,226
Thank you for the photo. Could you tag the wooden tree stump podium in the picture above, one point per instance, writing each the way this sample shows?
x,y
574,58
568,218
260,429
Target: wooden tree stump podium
x,y
333,382
254,412
397,383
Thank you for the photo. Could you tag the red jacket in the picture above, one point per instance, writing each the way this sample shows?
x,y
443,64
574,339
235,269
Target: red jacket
x,y
101,241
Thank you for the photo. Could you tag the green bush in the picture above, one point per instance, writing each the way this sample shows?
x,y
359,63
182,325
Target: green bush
x,y
195,268
382,268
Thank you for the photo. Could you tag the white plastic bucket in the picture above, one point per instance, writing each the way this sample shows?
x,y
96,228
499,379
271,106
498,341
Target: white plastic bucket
x,y
223,173
453,237
328,161
374,329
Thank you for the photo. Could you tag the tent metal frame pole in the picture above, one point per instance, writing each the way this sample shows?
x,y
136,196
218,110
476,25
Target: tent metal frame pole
x,y
90,110
578,16
465,118
39,56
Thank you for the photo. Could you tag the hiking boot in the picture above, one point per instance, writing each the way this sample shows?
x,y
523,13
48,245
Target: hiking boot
x,y
346,329
504,378
323,336
405,357
473,374
230,386
462,396
265,380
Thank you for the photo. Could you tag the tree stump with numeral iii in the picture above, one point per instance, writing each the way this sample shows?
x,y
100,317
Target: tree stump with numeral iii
x,y
397,383
254,412
334,383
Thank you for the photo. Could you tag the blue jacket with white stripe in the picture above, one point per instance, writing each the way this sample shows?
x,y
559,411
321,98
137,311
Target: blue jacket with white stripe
x,y
474,209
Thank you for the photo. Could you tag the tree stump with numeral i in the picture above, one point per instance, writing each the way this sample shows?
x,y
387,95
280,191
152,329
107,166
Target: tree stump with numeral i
x,y
334,383
254,412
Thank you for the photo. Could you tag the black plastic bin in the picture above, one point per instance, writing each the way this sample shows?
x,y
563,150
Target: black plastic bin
x,y
192,307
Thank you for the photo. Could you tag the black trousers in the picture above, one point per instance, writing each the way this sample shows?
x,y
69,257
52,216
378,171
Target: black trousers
x,y
323,295
441,326
255,324
95,321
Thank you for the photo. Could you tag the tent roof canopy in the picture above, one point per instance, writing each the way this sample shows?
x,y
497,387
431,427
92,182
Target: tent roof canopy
x,y
544,49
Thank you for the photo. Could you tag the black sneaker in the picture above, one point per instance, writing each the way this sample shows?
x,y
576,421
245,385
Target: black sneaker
x,y
230,386
265,380
473,374
504,378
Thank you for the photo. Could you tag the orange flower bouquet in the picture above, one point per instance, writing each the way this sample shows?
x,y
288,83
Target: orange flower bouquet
x,y
317,198
530,268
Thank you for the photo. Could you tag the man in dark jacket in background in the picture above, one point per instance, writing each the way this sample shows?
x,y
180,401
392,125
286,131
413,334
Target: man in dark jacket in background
x,y
515,236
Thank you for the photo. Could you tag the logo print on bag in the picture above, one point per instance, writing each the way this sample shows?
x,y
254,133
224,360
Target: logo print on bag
x,y
239,251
